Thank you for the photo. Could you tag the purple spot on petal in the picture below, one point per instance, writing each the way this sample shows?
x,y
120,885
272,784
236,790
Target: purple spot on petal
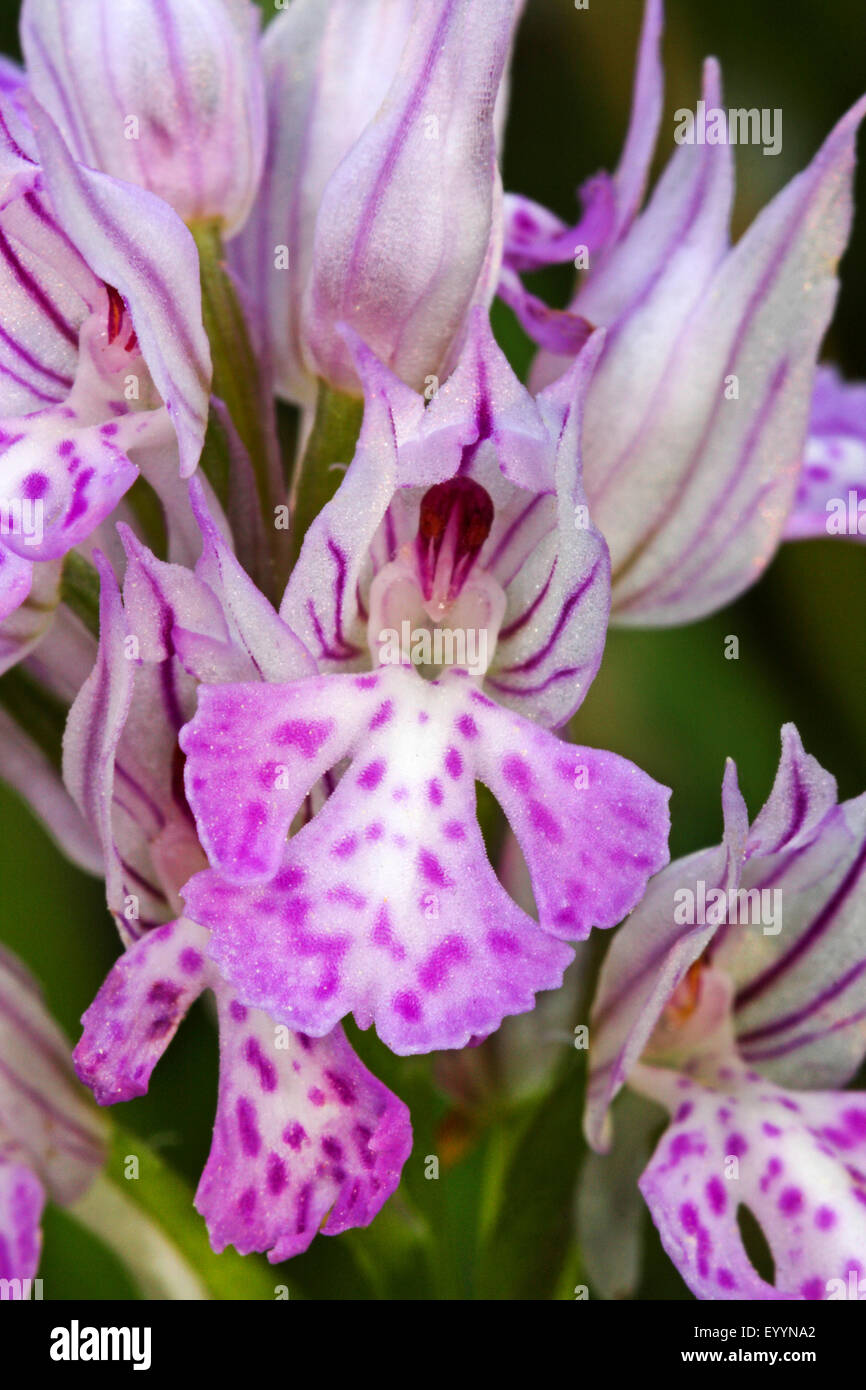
x,y
276,1174
516,773
435,970
382,715
307,735
294,1135
716,1197
250,1138
372,775
408,1006
791,1201
35,486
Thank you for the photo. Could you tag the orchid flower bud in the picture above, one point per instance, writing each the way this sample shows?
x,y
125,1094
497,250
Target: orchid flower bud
x,y
169,96
383,118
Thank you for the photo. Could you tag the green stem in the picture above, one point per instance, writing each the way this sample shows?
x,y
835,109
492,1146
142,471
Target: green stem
x,y
144,1212
156,1264
79,590
332,440
239,383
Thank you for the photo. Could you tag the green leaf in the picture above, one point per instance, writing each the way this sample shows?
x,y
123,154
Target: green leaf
x,y
531,1236
332,441
79,590
246,392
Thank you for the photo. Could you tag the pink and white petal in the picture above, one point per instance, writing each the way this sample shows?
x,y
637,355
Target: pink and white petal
x,y
94,728
66,479
44,307
25,768
160,598
260,748
22,1201
800,1002
552,638
556,794
481,403
138,1010
632,172
274,652
643,293
12,76
28,623
385,260
48,1119
648,959
694,510
424,941
803,794
305,1137
557,330
154,834
116,227
799,1169
535,237
834,463
427,946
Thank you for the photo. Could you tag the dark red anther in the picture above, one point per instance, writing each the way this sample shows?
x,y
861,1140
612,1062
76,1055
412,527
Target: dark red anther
x,y
116,311
454,523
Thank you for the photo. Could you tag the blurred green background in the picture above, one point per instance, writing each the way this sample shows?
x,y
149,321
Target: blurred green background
x,y
669,700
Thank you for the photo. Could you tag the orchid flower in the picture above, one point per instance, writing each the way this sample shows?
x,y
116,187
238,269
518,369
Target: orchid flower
x,y
466,516
735,996
103,365
52,1140
170,96
697,415
382,119
303,1131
